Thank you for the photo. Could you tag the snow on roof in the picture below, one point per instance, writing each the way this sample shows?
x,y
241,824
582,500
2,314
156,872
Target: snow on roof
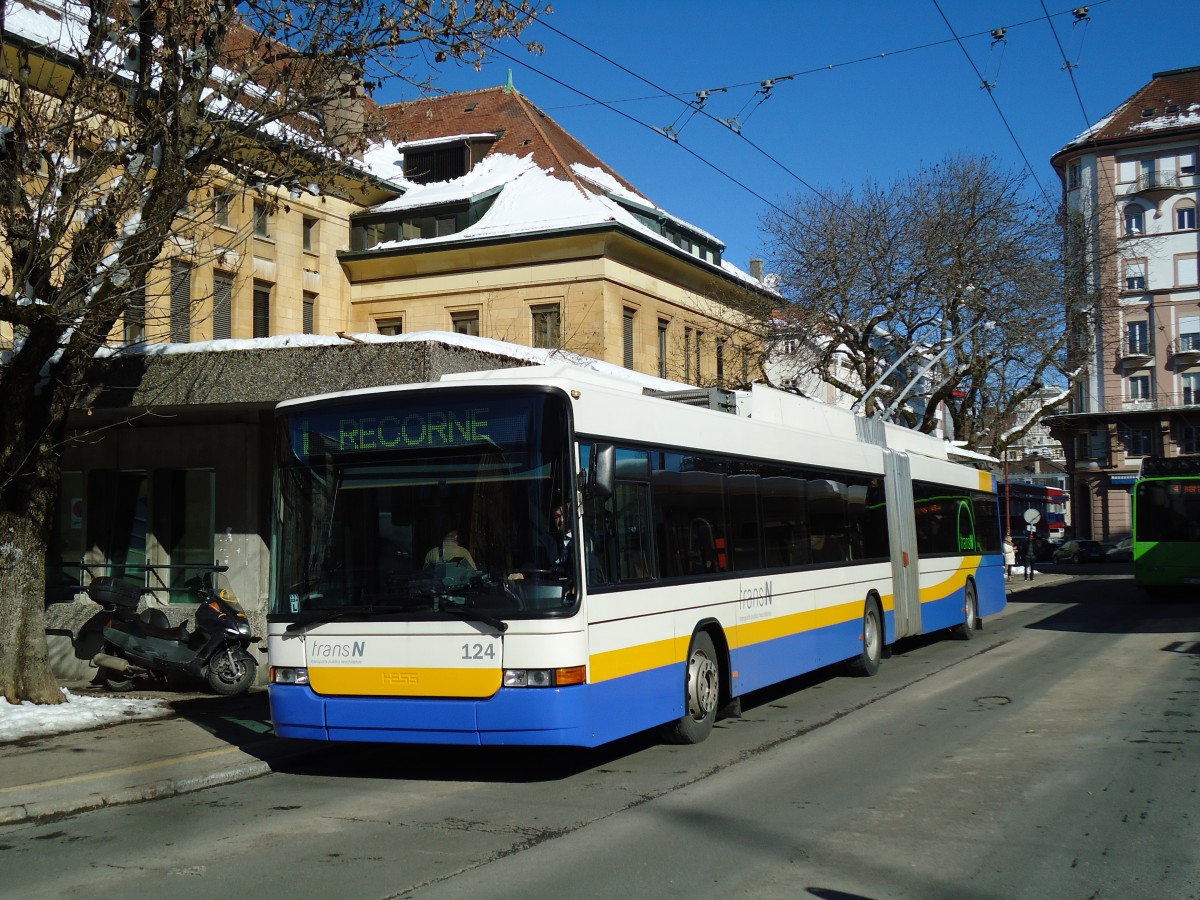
x,y
1188,119
532,200
532,355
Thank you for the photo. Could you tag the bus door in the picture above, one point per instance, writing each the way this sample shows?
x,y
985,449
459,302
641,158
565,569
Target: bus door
x,y
906,580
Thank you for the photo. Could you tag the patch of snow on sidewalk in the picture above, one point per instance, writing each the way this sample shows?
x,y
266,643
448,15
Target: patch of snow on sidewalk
x,y
77,714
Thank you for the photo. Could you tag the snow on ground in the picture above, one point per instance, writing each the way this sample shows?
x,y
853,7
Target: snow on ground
x,y
77,714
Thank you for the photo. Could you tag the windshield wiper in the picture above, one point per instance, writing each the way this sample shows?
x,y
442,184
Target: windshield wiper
x,y
471,616
316,616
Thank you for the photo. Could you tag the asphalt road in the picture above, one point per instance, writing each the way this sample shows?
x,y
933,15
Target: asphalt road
x,y
1053,756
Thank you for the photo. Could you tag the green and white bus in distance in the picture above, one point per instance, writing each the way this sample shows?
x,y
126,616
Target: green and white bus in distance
x,y
1166,524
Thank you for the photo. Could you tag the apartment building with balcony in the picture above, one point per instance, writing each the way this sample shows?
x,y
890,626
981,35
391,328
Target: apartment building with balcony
x,y
1130,182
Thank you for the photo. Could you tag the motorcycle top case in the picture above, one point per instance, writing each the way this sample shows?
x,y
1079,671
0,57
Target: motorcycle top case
x,y
113,592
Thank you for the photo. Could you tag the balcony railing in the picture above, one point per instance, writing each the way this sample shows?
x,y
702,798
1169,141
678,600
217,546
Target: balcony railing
x,y
1180,400
1160,180
1185,348
1135,351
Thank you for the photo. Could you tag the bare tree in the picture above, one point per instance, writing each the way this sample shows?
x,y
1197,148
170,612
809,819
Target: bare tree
x,y
114,114
956,263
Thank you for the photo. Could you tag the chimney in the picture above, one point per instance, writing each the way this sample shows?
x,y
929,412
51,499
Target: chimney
x,y
756,269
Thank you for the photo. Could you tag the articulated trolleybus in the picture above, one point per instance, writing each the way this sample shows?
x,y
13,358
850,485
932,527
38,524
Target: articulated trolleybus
x,y
552,556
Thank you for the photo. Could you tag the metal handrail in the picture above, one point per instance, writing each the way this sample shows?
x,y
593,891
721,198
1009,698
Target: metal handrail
x,y
149,569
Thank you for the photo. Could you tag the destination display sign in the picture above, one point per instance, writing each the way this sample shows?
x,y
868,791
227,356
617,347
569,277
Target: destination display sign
x,y
407,423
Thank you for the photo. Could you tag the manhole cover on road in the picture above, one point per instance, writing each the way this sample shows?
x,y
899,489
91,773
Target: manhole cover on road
x,y
993,701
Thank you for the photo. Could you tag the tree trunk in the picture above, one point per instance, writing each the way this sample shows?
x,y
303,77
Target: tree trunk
x,y
25,672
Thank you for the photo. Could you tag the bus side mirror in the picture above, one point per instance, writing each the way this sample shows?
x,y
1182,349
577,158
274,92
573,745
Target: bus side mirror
x,y
602,471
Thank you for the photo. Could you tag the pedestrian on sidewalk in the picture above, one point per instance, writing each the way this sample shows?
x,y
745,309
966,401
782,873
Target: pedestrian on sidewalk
x,y
1010,556
1027,557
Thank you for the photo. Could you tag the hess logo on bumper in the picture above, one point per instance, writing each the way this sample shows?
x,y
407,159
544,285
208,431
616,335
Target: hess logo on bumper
x,y
395,679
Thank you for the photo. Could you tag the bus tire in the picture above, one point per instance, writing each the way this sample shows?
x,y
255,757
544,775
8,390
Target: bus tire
x,y
970,623
702,693
866,663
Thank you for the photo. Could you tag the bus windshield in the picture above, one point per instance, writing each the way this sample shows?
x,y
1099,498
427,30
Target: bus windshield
x,y
1168,510
424,505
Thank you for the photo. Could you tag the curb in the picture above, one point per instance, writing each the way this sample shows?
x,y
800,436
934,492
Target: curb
x,y
157,790
42,811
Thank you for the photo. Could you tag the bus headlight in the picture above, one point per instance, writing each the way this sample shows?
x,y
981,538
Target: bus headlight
x,y
541,678
288,675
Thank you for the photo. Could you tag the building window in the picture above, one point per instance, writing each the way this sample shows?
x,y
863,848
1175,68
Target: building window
x,y
699,346
390,327
310,234
221,210
1185,216
720,364
135,316
1187,272
465,322
1139,387
687,355
1189,439
1187,163
1135,219
663,325
435,164
222,306
262,309
627,338
181,302
1191,389
1137,337
547,323
1135,275
1074,176
1139,441
262,220
1189,332
308,312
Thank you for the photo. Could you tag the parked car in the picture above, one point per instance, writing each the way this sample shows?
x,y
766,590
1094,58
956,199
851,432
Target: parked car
x,y
1121,552
1079,551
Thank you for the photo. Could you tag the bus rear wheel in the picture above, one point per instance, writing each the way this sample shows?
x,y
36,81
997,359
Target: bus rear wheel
x,y
702,690
867,661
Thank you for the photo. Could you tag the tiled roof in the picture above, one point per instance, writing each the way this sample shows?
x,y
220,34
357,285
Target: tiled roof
x,y
1166,106
524,129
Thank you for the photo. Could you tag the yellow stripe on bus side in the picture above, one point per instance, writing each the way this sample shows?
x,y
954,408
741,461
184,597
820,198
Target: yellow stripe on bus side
x,y
393,682
631,660
953,582
642,658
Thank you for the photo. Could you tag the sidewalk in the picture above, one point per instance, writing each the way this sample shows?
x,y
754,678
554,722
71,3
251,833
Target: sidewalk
x,y
205,741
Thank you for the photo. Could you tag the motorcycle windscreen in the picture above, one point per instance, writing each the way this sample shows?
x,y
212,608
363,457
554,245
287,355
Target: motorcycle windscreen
x,y
427,665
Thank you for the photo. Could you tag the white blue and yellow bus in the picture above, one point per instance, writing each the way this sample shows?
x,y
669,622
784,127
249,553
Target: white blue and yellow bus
x,y
702,554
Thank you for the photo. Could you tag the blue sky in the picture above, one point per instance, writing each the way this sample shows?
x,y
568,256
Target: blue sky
x,y
880,88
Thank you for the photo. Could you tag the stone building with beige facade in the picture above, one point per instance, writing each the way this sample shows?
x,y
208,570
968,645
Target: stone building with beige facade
x,y
477,233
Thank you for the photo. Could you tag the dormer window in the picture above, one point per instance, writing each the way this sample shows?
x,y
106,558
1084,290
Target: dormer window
x,y
371,229
435,164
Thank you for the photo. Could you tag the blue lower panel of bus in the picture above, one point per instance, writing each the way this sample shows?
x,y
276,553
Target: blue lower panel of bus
x,y
946,612
576,716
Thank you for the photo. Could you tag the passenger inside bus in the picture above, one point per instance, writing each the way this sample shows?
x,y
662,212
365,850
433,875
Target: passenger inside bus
x,y
449,550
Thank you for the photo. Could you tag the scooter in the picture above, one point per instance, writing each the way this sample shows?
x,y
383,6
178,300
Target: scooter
x,y
148,645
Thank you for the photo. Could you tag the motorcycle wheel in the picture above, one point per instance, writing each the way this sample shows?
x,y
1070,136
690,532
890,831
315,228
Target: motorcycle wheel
x,y
114,680
228,676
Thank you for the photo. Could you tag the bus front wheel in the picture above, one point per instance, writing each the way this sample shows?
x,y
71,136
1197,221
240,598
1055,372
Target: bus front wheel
x,y
702,690
867,661
970,624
